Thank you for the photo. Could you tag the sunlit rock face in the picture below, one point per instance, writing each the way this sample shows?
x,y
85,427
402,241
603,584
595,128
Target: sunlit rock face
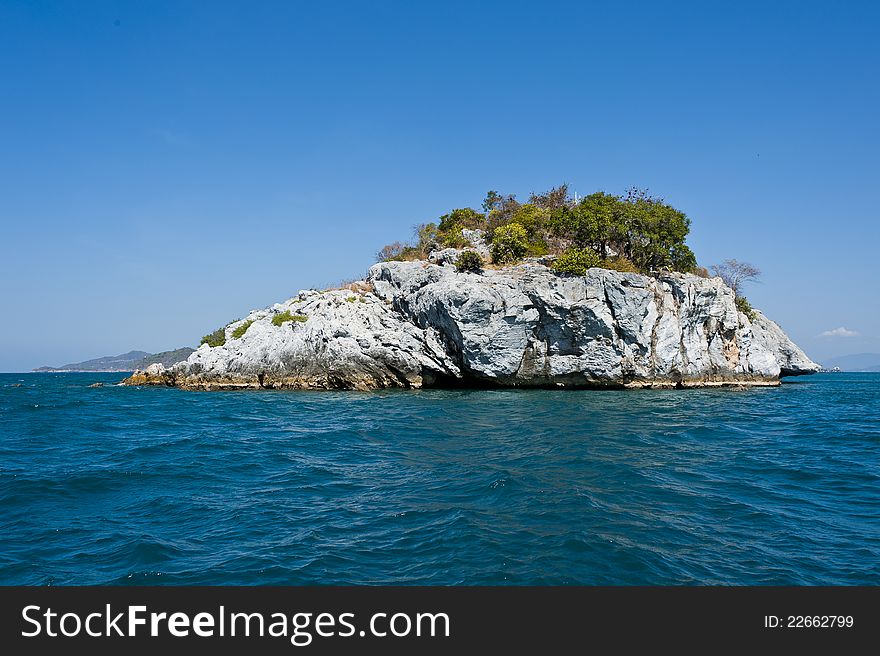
x,y
416,324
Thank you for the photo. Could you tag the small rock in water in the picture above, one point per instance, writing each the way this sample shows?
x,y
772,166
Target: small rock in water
x,y
97,385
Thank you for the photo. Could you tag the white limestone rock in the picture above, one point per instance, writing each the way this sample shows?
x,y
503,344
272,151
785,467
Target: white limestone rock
x,y
526,325
338,340
426,324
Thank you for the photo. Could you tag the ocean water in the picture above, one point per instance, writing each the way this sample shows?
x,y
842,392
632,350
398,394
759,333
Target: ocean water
x,y
118,485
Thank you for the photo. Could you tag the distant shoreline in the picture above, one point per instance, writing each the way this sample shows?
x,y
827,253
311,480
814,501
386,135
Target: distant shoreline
x,y
43,370
125,362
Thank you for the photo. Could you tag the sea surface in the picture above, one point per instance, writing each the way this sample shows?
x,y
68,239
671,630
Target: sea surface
x,y
120,485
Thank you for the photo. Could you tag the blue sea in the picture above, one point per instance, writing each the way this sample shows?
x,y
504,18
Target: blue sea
x,y
120,485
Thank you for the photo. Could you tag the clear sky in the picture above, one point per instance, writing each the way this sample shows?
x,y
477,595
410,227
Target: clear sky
x,y
166,167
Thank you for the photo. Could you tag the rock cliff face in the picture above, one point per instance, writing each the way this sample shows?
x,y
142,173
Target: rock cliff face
x,y
415,324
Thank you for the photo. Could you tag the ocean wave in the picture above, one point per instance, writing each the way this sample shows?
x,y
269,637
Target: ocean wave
x,y
496,487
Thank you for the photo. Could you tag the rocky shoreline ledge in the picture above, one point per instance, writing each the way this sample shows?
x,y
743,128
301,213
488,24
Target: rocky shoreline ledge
x,y
423,323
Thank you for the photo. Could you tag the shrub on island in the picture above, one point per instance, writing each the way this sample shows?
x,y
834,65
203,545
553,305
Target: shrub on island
x,y
469,261
621,264
284,317
576,261
239,332
631,232
509,244
743,305
216,338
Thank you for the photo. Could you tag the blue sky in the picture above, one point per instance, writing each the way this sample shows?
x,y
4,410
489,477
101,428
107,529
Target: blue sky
x,y
167,167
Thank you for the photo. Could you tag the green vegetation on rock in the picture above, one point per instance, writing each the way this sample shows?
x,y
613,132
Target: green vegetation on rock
x,y
216,338
242,329
631,232
469,261
743,305
285,316
576,261
621,264
449,232
645,230
533,220
509,243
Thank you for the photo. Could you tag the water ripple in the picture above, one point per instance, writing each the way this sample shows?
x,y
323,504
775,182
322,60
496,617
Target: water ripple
x,y
125,486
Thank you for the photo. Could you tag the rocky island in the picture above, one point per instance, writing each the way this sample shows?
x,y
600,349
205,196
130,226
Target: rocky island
x,y
587,313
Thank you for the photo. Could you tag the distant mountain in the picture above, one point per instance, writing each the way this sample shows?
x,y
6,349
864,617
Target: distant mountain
x,y
125,362
855,362
166,358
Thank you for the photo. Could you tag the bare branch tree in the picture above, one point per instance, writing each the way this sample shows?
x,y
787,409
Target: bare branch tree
x,y
553,199
735,274
390,251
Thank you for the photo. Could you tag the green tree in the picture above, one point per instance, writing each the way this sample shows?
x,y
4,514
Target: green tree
x,y
426,233
682,258
452,238
534,221
503,209
509,244
654,233
449,231
635,230
493,199
465,217
595,222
